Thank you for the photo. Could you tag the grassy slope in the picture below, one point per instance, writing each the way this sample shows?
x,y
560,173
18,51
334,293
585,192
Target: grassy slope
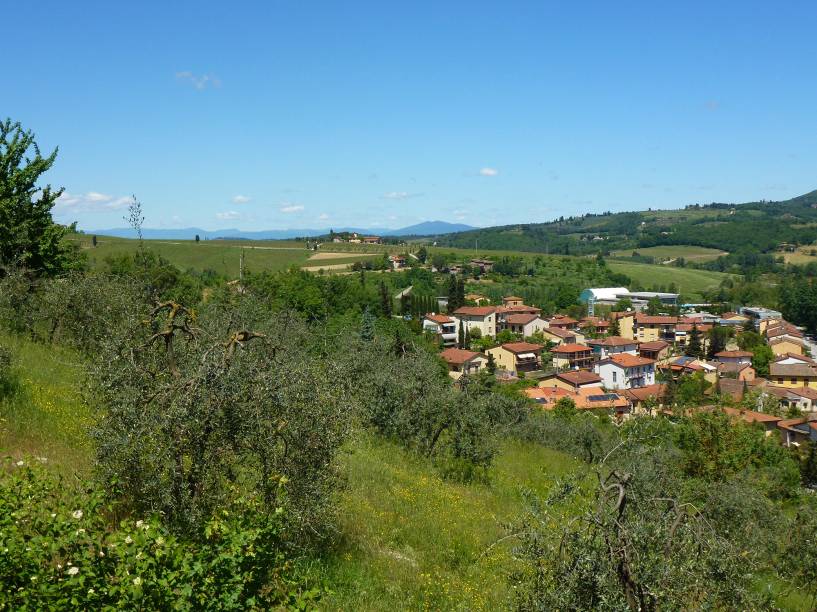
x,y
691,282
691,253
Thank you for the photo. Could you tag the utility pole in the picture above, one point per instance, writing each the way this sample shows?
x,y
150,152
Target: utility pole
x,y
241,267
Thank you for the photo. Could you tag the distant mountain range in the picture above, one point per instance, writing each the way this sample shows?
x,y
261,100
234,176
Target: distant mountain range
x,y
427,228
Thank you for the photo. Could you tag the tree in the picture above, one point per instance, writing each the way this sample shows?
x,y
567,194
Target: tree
x,y
808,467
491,365
654,306
422,254
762,356
453,296
367,325
623,305
197,238
717,340
93,240
461,336
615,327
385,300
29,238
694,348
467,339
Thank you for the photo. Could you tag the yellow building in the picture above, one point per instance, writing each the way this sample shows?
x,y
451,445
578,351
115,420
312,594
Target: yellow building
x,y
784,345
517,356
793,375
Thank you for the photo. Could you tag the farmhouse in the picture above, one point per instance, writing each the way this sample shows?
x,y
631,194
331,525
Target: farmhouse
x,y
481,318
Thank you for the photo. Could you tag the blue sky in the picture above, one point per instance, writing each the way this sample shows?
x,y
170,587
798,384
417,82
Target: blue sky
x,y
263,115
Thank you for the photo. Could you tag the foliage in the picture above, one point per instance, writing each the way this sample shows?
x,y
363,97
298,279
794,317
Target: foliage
x,y
29,238
225,398
61,551
762,356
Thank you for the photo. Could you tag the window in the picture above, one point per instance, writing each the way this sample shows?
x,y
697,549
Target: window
x,y
614,376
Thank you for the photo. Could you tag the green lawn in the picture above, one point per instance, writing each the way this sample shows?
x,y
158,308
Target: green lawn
x,y
663,253
690,282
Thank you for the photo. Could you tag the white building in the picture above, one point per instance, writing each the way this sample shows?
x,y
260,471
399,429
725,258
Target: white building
x,y
626,371
442,325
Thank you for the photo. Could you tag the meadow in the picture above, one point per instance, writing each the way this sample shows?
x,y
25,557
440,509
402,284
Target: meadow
x,y
666,253
691,283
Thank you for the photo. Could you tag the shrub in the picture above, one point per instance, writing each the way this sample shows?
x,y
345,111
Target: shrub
x,y
59,550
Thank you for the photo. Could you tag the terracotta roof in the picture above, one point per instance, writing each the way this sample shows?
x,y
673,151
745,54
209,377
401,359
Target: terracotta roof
x,y
750,416
733,354
594,321
795,369
560,333
512,298
439,318
522,347
732,387
657,345
781,339
801,358
475,311
457,356
783,329
732,368
521,318
701,327
625,360
616,341
640,394
655,320
571,348
520,308
579,377
562,320
585,399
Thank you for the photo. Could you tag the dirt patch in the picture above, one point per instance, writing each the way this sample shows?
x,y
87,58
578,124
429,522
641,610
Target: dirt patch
x,y
326,267
321,256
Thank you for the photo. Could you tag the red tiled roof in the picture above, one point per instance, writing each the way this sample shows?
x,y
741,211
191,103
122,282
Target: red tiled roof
x,y
458,356
625,360
579,377
802,358
655,320
521,318
657,345
511,298
522,347
733,354
701,327
475,311
750,416
640,394
571,348
518,309
562,320
559,332
439,318
616,341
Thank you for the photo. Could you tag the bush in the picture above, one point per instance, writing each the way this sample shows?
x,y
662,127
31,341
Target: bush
x,y
8,380
59,550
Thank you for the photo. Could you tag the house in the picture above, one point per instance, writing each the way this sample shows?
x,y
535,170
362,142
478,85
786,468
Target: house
x,y
563,322
641,397
572,380
781,329
443,326
626,371
562,336
611,345
738,371
784,345
584,399
597,324
525,324
734,357
513,300
649,328
803,399
372,240
484,265
517,357
793,375
572,356
461,362
482,318
657,351
732,318
397,261
476,298
683,330
794,432
794,358
767,421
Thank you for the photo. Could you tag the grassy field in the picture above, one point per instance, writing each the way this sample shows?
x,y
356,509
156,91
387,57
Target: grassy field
x,y
664,253
690,282
222,256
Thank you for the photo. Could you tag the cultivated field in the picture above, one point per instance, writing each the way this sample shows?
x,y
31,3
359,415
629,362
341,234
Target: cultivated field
x,y
665,253
690,282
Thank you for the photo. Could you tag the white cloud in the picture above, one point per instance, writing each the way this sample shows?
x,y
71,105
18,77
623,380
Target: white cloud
x,y
488,172
323,216
241,199
400,195
199,81
286,207
90,202
229,215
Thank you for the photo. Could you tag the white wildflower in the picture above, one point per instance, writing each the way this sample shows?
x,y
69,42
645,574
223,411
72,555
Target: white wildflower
x,y
21,463
77,514
73,571
139,523
128,540
91,591
137,581
53,515
101,553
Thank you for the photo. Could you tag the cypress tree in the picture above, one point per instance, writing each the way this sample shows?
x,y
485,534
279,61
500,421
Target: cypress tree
x,y
385,300
367,326
694,344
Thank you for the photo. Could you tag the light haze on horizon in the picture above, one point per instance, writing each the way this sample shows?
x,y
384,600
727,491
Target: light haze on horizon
x,y
280,115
